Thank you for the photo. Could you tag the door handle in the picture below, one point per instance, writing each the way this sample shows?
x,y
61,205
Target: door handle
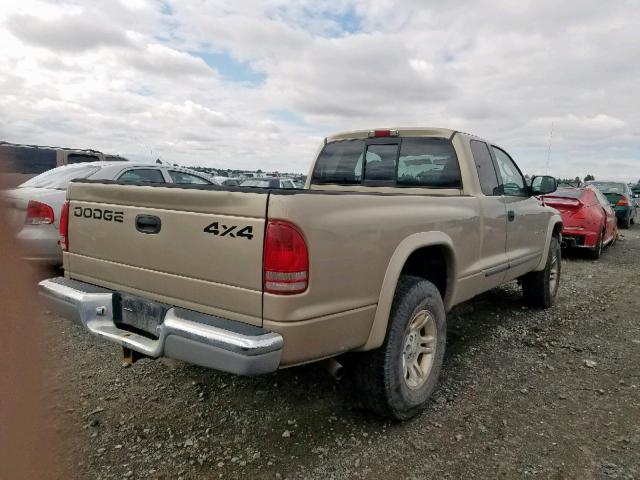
x,y
148,224
511,215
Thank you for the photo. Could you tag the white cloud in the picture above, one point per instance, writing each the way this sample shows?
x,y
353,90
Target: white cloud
x,y
121,76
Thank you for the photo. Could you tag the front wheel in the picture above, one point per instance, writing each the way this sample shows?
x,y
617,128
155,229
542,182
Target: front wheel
x,y
396,379
540,289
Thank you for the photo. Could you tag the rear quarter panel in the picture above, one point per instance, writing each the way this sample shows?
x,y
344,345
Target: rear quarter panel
x,y
352,237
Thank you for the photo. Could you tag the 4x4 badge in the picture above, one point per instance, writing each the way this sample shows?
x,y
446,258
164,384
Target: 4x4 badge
x,y
229,230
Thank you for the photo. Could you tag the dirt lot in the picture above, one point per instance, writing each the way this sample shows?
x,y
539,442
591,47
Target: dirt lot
x,y
536,394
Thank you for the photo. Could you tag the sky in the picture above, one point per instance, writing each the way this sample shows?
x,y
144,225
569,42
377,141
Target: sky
x,y
259,83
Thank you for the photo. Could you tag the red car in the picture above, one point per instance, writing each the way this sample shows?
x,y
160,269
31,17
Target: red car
x,y
589,221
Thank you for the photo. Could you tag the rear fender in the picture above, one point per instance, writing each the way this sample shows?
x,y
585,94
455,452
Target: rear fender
x,y
392,275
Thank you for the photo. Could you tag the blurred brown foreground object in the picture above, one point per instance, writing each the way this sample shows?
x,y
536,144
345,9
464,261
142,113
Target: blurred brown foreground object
x,y
29,448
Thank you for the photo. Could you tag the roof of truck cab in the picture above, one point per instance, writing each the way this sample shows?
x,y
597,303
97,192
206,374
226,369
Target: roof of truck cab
x,y
402,131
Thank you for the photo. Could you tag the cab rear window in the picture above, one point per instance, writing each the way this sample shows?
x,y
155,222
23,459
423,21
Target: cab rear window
x,y
401,162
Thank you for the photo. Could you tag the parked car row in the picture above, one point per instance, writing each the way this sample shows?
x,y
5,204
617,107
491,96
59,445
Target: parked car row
x,y
623,200
592,214
589,222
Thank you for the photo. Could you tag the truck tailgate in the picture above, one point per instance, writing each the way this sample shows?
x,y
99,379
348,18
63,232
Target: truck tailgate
x,y
198,248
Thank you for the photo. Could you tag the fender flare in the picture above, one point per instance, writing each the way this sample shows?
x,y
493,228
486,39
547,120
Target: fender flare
x,y
392,275
554,221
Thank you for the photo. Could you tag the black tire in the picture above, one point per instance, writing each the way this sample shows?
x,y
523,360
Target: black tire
x,y
537,287
626,223
596,252
379,375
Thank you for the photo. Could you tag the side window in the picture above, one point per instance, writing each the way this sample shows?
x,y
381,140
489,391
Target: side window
x,y
380,163
486,170
142,175
287,184
512,180
186,178
81,158
428,162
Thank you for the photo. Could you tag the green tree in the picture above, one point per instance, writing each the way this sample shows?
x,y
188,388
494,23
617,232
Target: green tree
x,y
589,177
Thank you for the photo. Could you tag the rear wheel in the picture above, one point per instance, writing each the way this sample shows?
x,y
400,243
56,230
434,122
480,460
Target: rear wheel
x,y
626,223
396,380
596,251
541,288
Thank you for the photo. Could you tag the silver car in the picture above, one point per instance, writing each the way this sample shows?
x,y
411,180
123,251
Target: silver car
x,y
34,206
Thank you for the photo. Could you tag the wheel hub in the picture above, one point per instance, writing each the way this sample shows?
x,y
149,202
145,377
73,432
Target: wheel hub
x,y
419,348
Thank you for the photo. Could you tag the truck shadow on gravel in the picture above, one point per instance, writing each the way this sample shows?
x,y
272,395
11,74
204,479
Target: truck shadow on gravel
x,y
309,391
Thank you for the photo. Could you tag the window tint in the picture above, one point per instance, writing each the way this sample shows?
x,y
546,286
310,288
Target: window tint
x,y
486,170
422,162
183,177
512,180
287,184
428,162
81,158
142,175
340,162
381,163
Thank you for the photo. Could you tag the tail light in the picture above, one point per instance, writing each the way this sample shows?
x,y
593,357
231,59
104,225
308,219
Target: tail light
x,y
623,202
64,227
286,259
39,213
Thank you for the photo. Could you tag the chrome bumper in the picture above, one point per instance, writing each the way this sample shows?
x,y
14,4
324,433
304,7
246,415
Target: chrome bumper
x,y
186,335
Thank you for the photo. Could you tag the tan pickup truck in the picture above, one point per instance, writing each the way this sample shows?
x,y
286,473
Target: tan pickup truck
x,y
393,228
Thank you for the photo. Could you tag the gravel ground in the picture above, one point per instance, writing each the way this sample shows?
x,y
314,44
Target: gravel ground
x,y
524,393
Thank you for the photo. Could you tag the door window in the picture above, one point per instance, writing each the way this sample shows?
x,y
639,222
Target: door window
x,y
142,175
512,180
186,178
486,169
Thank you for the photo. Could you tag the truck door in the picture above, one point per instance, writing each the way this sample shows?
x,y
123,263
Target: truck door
x,y
493,240
526,220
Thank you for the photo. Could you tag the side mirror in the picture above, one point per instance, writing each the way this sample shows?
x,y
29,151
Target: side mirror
x,y
543,185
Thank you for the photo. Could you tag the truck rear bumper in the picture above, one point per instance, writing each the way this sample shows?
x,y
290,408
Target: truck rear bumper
x,y
182,334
